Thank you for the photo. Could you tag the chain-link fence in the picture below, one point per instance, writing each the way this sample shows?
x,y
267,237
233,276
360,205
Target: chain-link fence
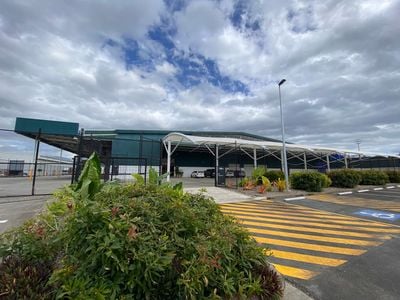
x,y
25,173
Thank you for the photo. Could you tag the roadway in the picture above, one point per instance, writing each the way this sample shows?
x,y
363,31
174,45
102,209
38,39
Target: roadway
x,y
331,246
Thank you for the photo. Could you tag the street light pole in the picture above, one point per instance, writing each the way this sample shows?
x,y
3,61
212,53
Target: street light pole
x,y
283,137
358,142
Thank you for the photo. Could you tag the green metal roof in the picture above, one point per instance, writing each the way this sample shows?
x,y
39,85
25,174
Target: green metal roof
x,y
32,126
232,134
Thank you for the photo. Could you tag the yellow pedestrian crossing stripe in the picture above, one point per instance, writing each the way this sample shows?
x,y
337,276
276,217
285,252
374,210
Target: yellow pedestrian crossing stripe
x,y
295,272
357,201
310,219
318,238
309,246
320,223
304,241
325,261
316,230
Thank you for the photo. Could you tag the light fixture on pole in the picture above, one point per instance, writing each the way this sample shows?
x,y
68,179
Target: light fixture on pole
x,y
285,167
358,142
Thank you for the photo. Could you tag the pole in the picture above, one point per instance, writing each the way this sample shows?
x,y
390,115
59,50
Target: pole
x,y
305,161
168,160
345,160
36,159
78,161
328,164
216,165
283,139
255,157
60,166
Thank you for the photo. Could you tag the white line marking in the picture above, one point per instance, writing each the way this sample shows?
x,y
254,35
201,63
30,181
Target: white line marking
x,y
378,189
362,191
295,198
345,193
390,187
3,221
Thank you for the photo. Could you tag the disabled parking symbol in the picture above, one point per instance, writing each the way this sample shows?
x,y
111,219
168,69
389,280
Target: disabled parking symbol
x,y
378,214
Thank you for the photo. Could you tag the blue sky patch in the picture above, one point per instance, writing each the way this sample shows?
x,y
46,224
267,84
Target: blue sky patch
x,y
240,19
193,69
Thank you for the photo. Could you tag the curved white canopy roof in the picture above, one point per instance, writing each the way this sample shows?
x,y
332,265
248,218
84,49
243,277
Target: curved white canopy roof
x,y
181,139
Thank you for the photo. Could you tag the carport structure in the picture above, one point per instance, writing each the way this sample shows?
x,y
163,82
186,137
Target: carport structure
x,y
255,149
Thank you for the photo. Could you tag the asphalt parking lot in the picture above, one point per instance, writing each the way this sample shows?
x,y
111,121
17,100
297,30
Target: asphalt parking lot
x,y
375,274
22,186
15,210
330,246
380,204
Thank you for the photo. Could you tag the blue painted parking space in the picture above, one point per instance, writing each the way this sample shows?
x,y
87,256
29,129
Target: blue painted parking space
x,y
385,215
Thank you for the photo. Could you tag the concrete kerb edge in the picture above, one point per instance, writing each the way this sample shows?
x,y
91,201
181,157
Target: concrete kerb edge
x,y
299,288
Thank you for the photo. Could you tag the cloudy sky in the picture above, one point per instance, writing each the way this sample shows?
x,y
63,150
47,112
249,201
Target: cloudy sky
x,y
207,65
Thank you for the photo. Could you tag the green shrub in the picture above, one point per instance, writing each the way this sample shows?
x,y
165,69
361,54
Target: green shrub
x,y
345,178
309,181
394,176
274,175
257,174
326,181
24,279
116,241
374,177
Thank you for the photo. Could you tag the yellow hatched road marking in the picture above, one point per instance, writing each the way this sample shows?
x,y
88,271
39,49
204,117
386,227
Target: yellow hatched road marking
x,y
259,212
312,259
294,209
316,230
325,225
315,238
295,272
314,247
354,201
289,211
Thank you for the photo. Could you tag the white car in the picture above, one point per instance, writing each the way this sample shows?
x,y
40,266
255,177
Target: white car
x,y
197,174
229,173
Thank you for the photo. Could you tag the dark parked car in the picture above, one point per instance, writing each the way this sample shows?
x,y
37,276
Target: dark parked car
x,y
239,173
209,173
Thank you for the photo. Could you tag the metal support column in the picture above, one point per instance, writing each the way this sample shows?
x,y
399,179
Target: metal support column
x,y
345,161
305,161
78,161
37,144
255,157
216,165
168,160
328,164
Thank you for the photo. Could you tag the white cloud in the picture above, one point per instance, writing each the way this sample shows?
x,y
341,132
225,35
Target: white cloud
x,y
340,59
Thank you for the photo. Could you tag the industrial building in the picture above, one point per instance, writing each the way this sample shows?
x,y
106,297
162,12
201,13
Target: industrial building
x,y
125,151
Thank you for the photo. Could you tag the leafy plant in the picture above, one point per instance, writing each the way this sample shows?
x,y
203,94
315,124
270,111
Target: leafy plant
x,y
25,279
264,186
257,174
89,182
131,241
274,175
309,181
280,184
345,178
374,177
154,178
138,179
246,183
394,176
